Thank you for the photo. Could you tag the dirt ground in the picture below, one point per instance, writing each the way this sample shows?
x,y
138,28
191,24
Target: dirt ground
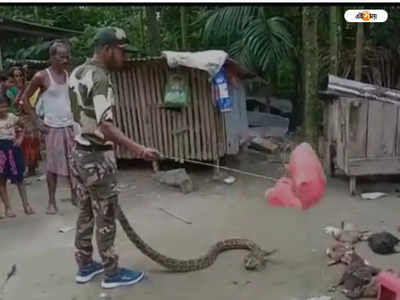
x,y
45,257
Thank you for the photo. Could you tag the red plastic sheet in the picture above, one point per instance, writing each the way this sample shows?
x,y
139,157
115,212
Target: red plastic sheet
x,y
306,184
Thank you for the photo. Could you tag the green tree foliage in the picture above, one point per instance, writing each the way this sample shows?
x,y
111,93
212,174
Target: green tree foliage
x,y
252,36
85,19
272,41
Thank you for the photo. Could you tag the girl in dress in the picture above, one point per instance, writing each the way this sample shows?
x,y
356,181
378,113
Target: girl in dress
x,y
12,165
30,145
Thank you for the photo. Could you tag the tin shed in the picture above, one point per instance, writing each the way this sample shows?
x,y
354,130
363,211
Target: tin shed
x,y
197,132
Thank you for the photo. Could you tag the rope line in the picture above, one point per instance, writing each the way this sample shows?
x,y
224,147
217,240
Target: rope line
x,y
220,167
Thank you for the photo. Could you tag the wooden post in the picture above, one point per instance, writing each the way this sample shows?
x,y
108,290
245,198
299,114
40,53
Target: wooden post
x,y
352,185
156,166
217,170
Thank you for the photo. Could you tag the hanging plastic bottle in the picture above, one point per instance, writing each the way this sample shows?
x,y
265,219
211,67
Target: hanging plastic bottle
x,y
221,90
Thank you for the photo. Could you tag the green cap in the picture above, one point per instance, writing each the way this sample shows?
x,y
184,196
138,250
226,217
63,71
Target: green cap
x,y
113,36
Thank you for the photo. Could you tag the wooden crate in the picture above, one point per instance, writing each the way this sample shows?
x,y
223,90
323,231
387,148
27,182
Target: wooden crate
x,y
361,129
362,137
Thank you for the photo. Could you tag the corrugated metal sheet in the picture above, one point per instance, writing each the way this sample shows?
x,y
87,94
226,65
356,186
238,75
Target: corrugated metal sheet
x,y
197,132
236,123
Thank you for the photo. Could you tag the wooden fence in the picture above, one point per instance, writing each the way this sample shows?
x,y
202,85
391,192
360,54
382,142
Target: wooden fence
x,y
197,132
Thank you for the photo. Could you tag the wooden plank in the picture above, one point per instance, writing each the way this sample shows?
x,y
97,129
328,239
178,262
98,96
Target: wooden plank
x,y
191,146
152,106
357,129
330,121
364,91
202,115
138,95
219,126
186,143
389,130
180,136
156,112
117,117
169,129
118,101
168,115
352,185
143,101
181,130
214,129
375,129
133,107
383,166
208,119
149,103
223,136
163,121
381,130
183,138
398,133
160,112
128,101
175,138
122,101
196,109
162,141
341,109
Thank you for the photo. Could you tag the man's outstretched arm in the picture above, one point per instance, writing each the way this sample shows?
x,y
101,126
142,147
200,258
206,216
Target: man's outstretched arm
x,y
34,84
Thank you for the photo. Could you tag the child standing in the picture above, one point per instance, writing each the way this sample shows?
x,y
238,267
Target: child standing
x,y
12,165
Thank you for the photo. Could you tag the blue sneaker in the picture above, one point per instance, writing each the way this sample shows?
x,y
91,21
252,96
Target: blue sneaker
x,y
89,271
122,277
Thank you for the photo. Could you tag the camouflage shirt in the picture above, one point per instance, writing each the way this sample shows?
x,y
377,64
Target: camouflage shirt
x,y
92,98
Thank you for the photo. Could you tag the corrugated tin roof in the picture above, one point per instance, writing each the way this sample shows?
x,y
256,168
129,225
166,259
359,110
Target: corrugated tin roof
x,y
241,69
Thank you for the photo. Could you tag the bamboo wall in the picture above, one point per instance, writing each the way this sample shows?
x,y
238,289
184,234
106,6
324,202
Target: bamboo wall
x,y
195,133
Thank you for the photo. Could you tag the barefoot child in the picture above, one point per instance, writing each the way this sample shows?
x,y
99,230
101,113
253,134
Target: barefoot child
x,y
12,165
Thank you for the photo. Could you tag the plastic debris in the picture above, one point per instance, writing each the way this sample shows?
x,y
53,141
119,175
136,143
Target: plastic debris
x,y
332,231
230,180
373,196
65,229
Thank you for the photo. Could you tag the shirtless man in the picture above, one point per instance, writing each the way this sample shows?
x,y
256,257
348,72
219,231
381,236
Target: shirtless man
x,y
58,120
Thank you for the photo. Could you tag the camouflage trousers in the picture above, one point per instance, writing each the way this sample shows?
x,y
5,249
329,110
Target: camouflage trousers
x,y
95,174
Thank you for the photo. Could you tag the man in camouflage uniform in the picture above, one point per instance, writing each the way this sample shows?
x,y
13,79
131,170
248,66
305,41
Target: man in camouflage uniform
x,y
93,161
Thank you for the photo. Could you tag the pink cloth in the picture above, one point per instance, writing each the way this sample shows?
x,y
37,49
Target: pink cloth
x,y
306,184
283,194
59,143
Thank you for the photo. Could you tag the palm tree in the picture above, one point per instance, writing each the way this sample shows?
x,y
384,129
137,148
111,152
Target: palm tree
x,y
249,35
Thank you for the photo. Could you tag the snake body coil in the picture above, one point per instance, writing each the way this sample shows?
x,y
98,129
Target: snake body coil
x,y
254,260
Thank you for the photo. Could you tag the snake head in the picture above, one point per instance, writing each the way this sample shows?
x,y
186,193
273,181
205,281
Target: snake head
x,y
254,262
